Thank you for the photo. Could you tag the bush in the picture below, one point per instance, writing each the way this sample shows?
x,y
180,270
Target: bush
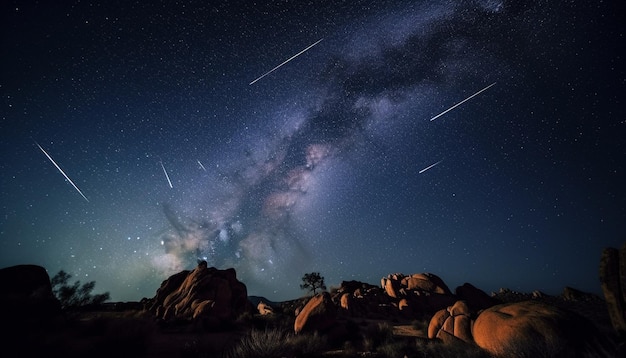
x,y
428,348
76,295
376,336
420,325
397,349
268,343
277,343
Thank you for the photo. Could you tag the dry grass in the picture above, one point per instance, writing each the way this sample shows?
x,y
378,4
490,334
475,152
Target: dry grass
x,y
276,343
111,334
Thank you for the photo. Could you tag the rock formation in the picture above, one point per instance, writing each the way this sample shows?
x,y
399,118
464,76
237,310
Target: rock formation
x,y
613,283
475,298
423,292
264,309
401,296
452,324
358,299
319,314
535,329
204,294
26,294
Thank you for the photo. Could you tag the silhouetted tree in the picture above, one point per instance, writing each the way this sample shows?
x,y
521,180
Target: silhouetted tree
x,y
312,282
76,295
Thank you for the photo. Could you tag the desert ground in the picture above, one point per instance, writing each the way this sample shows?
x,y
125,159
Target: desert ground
x,y
124,329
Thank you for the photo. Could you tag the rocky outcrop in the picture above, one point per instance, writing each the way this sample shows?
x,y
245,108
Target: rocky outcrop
x,y
358,299
423,293
452,324
26,294
613,283
319,314
475,298
405,297
204,294
167,287
535,329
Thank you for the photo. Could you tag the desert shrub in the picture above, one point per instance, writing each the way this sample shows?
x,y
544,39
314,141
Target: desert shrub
x,y
76,295
307,345
349,348
430,348
420,325
278,343
244,317
394,349
273,321
262,343
377,335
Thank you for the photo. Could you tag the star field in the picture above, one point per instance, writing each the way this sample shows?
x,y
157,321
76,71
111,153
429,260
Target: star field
x,y
330,163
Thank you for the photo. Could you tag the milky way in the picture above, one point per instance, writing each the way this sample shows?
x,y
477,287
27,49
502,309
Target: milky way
x,y
326,164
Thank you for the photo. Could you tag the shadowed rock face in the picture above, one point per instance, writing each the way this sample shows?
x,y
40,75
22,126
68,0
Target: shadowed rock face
x,y
613,283
534,329
475,298
318,314
203,293
26,293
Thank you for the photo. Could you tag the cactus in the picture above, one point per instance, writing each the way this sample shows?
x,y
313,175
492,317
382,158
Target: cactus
x,y
613,282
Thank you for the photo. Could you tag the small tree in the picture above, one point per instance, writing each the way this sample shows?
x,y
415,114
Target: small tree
x,y
312,282
75,296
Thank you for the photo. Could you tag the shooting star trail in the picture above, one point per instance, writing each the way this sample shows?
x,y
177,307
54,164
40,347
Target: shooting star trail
x,y
166,176
463,101
201,166
291,58
62,172
430,166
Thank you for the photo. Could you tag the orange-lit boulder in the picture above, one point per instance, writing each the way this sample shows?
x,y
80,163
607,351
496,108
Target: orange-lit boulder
x,y
535,329
318,314
202,293
452,324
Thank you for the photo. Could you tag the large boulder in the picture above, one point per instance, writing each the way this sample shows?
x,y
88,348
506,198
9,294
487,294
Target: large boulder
x,y
205,294
452,324
535,329
167,287
475,298
427,282
613,283
26,294
319,314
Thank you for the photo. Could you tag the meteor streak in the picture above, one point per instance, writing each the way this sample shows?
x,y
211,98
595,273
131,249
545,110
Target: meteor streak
x,y
291,58
62,172
460,103
201,166
166,176
430,166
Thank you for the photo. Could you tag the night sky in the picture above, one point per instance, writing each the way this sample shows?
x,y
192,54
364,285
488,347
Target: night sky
x,y
172,154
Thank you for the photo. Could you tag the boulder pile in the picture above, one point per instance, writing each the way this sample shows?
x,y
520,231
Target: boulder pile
x,y
204,294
